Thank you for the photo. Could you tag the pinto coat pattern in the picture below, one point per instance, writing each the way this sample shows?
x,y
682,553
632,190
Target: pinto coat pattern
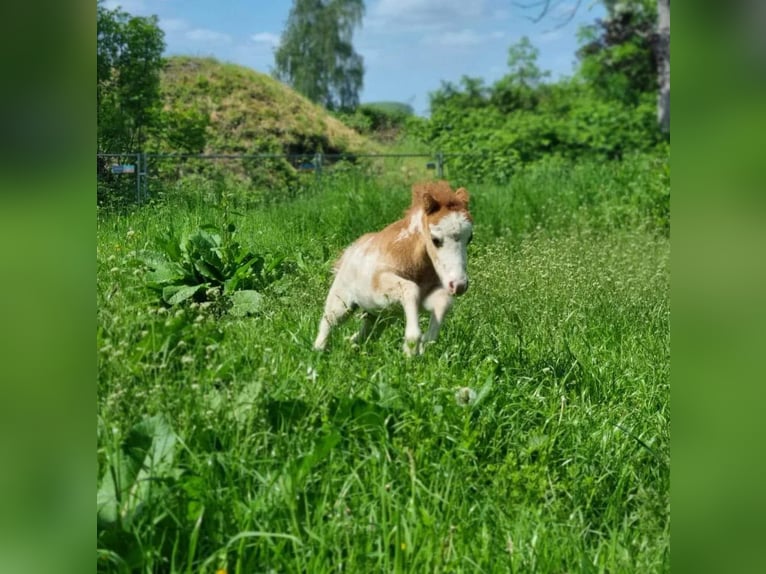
x,y
418,262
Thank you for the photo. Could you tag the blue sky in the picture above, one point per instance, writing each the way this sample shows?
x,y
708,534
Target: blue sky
x,y
409,46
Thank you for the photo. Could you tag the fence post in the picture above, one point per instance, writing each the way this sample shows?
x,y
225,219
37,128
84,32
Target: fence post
x,y
144,176
139,173
318,165
440,165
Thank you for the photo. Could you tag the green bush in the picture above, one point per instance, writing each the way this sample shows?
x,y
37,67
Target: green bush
x,y
382,119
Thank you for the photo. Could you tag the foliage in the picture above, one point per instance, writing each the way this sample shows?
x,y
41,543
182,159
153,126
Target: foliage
x,y
206,266
569,121
383,120
182,129
618,57
470,93
495,130
128,62
533,437
315,55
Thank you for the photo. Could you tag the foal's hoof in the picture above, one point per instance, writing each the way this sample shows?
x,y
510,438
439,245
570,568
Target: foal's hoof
x,y
412,348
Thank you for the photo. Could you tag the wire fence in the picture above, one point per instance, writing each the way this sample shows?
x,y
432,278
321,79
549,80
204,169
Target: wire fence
x,y
137,177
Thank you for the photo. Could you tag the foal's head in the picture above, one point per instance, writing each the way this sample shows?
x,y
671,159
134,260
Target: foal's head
x,y
447,229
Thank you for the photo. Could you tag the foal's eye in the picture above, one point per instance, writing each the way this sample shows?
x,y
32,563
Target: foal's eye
x,y
437,242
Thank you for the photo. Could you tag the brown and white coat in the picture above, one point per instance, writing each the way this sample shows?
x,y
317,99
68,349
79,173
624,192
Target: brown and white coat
x,y
418,262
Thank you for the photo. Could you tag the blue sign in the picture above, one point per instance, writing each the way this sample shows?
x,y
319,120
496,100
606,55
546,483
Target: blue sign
x,y
124,168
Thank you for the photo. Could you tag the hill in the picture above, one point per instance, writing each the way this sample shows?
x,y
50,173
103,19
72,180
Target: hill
x,y
250,112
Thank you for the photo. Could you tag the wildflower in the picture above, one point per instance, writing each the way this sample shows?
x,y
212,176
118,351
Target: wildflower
x,y
186,359
464,396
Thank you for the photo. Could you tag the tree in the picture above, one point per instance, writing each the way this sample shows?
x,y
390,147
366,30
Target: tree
x,y
519,89
315,55
618,57
470,93
663,64
128,63
661,44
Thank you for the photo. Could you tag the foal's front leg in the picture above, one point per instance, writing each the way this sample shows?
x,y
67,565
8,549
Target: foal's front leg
x,y
438,303
407,294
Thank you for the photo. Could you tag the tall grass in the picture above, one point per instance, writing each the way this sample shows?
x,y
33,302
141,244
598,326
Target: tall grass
x,y
532,437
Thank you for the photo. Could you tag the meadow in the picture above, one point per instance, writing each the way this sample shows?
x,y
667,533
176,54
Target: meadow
x,y
534,436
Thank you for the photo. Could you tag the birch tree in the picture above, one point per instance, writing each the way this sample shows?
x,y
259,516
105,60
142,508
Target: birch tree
x,y
663,64
316,56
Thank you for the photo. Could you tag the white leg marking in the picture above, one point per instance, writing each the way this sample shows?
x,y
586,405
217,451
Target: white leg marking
x,y
335,311
406,293
438,302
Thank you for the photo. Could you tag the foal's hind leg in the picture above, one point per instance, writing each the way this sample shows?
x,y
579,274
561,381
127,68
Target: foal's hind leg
x,y
336,309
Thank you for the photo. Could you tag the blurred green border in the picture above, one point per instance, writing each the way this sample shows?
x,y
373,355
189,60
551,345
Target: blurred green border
x,y
47,195
718,287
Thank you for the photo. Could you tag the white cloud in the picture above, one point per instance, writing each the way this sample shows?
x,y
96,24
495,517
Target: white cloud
x,y
209,36
501,14
549,37
170,25
423,13
133,7
465,38
460,39
268,38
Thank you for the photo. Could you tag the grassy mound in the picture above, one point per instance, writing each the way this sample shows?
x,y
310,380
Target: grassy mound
x,y
250,112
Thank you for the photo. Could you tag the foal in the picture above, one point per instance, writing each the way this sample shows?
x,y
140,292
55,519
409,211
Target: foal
x,y
418,262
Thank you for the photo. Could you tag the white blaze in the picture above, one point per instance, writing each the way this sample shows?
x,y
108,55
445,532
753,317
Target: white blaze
x,y
449,259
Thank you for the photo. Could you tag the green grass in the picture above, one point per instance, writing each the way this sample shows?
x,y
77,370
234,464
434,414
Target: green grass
x,y
261,455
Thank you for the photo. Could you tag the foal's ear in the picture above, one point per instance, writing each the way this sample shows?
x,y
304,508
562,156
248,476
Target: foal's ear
x,y
463,195
430,205
421,197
